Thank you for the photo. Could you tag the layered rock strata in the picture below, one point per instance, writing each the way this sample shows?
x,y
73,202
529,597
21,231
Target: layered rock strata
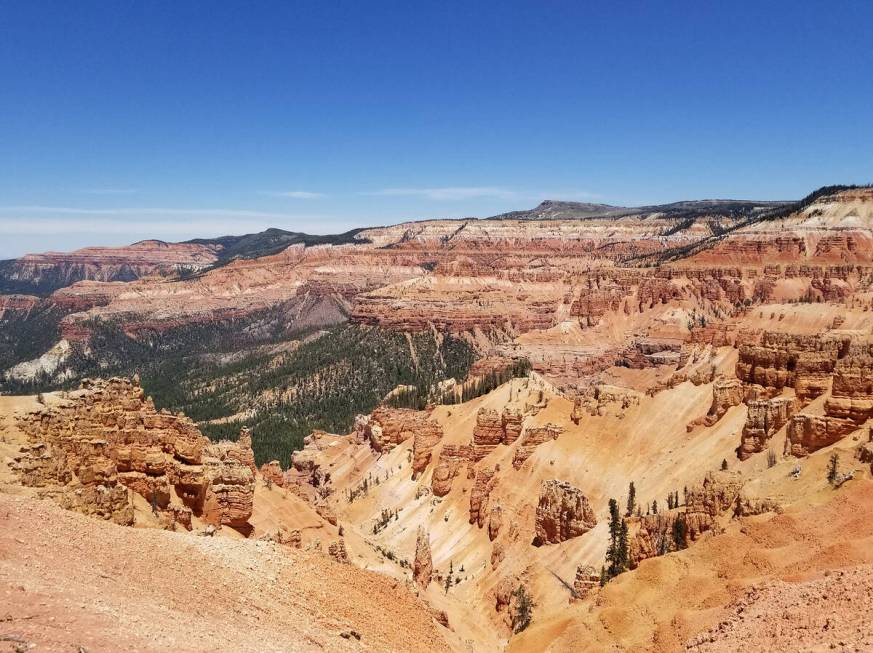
x,y
108,437
562,513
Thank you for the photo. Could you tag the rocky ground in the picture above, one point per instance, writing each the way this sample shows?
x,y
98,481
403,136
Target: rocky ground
x,y
70,581
825,614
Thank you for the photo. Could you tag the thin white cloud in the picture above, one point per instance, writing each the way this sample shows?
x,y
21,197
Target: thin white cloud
x,y
296,194
160,222
109,191
448,193
145,212
460,193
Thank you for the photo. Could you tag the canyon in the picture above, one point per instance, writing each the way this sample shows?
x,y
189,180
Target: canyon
x,y
715,357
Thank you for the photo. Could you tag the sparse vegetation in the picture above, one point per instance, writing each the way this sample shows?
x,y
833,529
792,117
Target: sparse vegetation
x,y
833,468
631,500
617,555
524,606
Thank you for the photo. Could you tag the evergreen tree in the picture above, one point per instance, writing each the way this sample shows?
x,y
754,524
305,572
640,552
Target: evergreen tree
x,y
631,499
655,507
680,533
617,556
523,610
833,467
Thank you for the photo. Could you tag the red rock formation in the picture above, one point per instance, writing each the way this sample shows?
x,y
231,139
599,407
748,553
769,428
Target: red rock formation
x,y
487,433
337,551
852,392
726,393
808,433
511,422
273,471
482,487
764,418
495,521
703,505
427,435
532,438
422,568
388,427
562,513
108,435
587,580
451,459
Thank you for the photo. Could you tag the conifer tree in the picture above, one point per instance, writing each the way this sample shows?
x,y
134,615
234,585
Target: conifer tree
x,y
631,499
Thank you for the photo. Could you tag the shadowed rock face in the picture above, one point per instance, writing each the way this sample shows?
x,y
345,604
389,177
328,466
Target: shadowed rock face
x,y
108,438
451,459
562,513
422,568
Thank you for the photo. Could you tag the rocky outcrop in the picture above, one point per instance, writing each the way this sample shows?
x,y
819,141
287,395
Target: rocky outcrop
x,y
750,506
532,438
107,437
387,427
479,495
656,534
763,419
487,433
422,568
808,433
451,459
586,581
244,452
493,428
562,513
511,422
427,435
337,551
230,490
852,392
272,472
783,360
726,393
495,521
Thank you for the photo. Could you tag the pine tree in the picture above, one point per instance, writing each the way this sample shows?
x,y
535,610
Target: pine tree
x,y
617,556
523,610
655,507
833,467
724,464
680,533
631,499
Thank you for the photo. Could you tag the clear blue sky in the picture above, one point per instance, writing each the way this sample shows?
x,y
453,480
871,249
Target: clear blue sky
x,y
123,120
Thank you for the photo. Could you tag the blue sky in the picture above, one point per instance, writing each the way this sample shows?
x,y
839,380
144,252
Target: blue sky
x,y
124,120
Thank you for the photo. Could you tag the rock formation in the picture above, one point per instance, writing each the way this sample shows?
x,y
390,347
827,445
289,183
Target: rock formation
x,y
493,428
487,434
337,551
704,504
482,487
107,438
495,521
422,568
427,435
764,418
586,581
562,513
532,438
273,471
726,392
386,427
808,433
